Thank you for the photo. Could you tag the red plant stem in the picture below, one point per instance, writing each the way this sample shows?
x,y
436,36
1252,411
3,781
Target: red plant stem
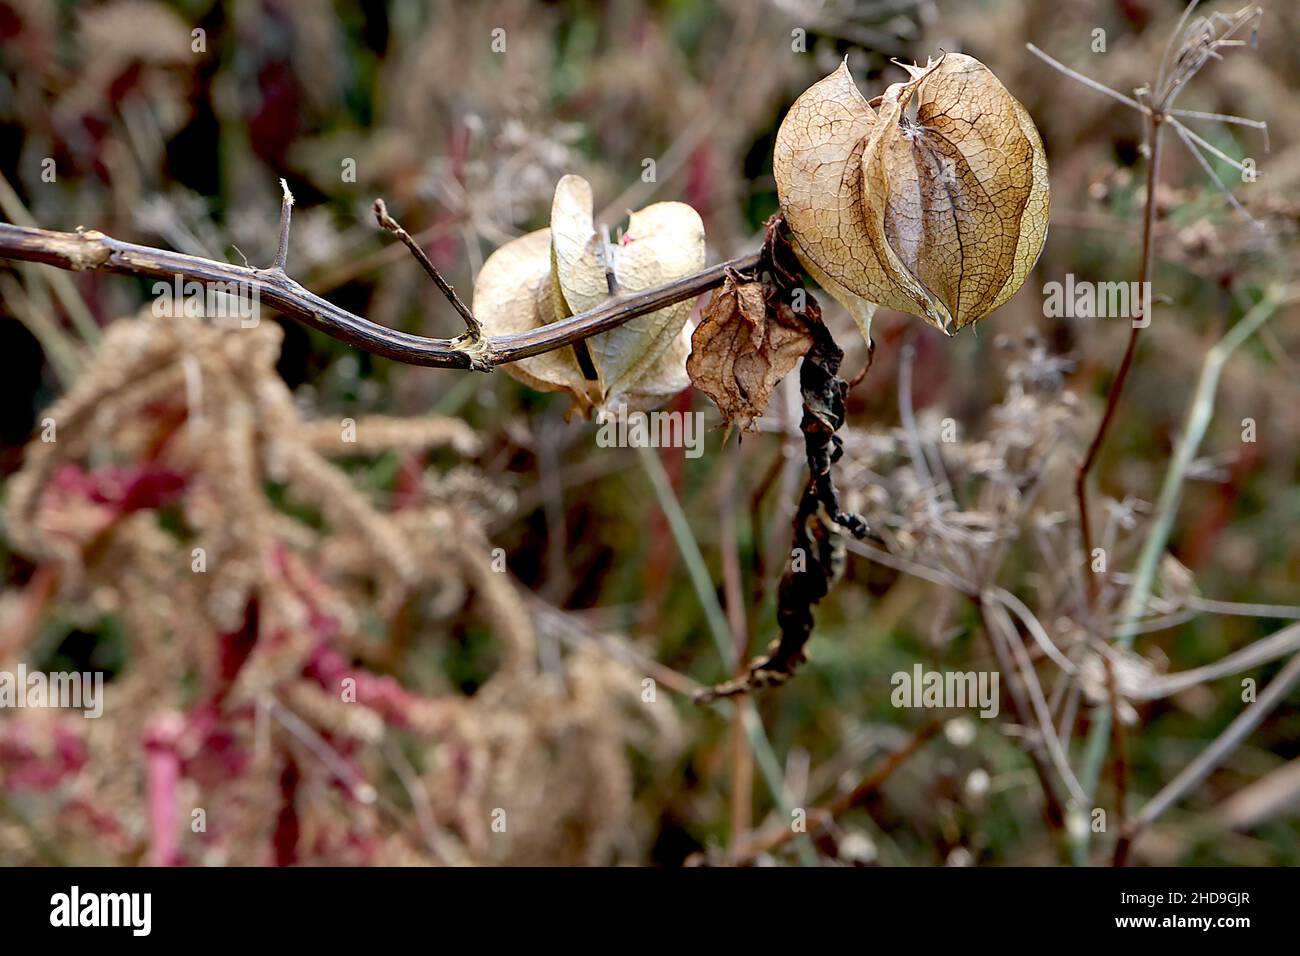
x,y
288,831
36,597
163,775
1121,376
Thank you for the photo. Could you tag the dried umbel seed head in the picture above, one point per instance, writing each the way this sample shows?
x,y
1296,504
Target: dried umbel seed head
x,y
935,205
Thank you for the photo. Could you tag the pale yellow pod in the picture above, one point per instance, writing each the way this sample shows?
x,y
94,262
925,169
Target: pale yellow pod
x,y
514,292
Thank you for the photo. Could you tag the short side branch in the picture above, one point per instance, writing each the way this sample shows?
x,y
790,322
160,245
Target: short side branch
x,y
286,214
472,327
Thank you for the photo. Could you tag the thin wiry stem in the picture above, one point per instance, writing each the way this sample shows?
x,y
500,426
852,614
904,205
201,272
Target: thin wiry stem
x,y
1170,79
1037,701
342,771
1206,144
1187,136
1169,44
1174,72
946,579
1087,80
820,818
1198,421
1170,493
698,572
1120,739
1241,609
924,572
1154,130
418,794
1285,641
1200,47
1054,809
1035,628
1209,758
1225,118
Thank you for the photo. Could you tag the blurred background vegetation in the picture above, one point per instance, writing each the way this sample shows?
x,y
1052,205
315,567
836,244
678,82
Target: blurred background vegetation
x,y
158,144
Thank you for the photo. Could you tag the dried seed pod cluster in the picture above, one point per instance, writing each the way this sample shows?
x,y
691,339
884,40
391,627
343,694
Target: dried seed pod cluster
x,y
936,204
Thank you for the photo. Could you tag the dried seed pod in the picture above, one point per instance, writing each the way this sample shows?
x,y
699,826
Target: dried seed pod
x,y
936,205
663,241
514,292
553,273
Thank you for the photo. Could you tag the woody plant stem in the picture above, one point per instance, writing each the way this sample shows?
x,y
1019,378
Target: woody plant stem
x,y
90,250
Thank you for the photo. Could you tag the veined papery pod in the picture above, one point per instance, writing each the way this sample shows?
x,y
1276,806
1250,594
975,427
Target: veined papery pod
x,y
515,292
553,273
937,204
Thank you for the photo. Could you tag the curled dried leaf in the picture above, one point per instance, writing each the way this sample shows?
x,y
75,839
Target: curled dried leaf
x,y
742,349
936,205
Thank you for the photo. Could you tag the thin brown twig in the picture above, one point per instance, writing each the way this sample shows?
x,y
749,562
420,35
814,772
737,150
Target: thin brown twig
x,y
871,785
819,818
856,380
1196,45
472,326
90,250
1199,44
1121,761
1054,814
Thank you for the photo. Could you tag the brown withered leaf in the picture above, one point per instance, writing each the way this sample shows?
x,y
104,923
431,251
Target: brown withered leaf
x,y
742,349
